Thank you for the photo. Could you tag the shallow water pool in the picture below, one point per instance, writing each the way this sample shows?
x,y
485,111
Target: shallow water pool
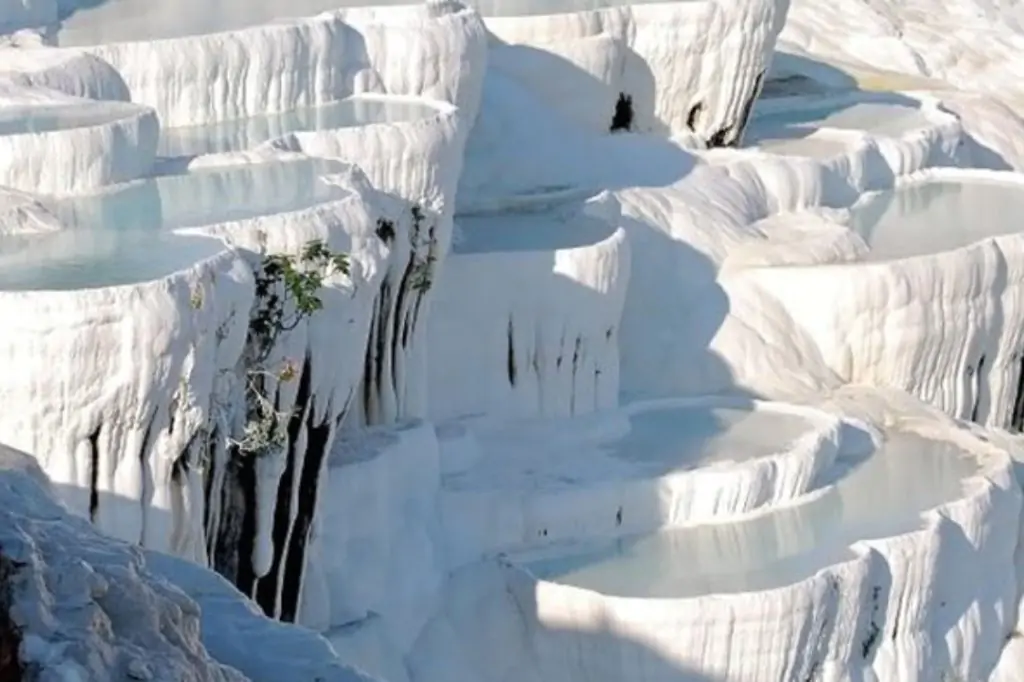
x,y
247,133
126,235
879,118
882,497
937,216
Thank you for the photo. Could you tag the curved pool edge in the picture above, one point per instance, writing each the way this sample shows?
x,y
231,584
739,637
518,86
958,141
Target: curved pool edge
x,y
847,618
80,159
488,521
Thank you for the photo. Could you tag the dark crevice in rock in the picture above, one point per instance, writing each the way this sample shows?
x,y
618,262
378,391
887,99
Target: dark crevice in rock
x,y
211,474
11,669
183,463
94,473
622,119
369,359
510,363
731,135
1017,419
318,441
693,116
266,591
979,382
147,437
376,347
399,311
748,108
406,327
576,354
236,532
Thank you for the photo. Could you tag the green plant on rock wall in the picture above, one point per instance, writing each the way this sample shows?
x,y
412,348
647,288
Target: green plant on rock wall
x,y
287,292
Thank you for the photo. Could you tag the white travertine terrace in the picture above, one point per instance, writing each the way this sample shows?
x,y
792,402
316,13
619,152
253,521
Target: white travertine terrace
x,y
650,465
541,327
99,143
420,161
255,201
504,460
806,604
976,259
308,62
183,331
821,125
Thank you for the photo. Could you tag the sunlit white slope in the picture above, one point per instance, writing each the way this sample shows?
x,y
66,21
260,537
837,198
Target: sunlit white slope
x,y
27,62
94,389
970,44
676,66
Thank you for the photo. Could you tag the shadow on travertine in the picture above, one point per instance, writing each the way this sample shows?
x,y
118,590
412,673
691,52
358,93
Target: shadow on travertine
x,y
674,309
490,630
596,104
235,633
67,8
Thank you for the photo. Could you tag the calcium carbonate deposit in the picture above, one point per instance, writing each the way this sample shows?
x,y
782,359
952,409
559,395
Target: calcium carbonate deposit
x,y
511,341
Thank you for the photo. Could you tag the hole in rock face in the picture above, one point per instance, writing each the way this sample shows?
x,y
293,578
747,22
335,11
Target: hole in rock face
x,y
385,231
622,119
691,118
718,139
